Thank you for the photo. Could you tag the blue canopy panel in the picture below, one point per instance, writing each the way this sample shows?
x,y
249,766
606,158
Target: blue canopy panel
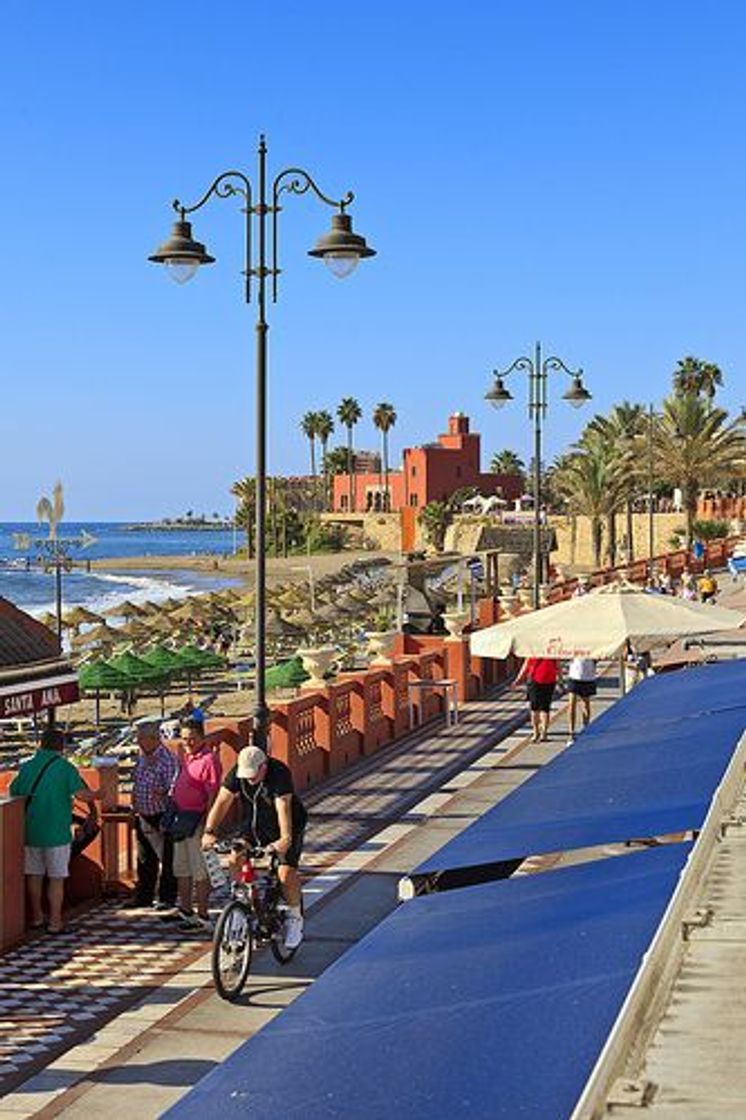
x,y
647,767
489,1002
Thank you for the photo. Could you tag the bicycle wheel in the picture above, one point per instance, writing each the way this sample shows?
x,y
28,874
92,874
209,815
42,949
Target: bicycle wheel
x,y
231,950
277,942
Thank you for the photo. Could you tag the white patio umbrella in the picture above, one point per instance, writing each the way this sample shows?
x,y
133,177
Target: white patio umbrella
x,y
599,624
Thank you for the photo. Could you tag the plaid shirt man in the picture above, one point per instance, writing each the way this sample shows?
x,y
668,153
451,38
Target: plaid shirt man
x,y
152,779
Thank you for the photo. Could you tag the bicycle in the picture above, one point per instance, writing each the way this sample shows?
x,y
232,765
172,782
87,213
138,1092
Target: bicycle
x,y
254,916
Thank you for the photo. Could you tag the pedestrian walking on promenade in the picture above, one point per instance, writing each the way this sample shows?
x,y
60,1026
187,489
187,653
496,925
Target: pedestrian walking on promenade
x,y
581,685
49,783
541,675
192,796
154,774
707,587
688,587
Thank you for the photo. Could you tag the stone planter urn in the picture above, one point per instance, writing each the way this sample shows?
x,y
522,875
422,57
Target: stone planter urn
x,y
455,621
317,661
380,645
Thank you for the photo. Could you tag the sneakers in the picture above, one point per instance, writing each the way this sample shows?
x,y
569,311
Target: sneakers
x,y
163,907
175,914
570,741
192,923
293,931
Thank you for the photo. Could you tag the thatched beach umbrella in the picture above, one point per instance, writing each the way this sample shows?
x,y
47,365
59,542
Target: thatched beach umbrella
x,y
99,635
279,627
127,609
49,620
75,617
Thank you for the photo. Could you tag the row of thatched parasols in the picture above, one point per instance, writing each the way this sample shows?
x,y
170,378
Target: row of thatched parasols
x,y
338,604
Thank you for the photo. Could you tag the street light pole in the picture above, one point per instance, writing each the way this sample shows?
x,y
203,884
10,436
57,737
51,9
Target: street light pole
x,y
538,371
651,521
341,249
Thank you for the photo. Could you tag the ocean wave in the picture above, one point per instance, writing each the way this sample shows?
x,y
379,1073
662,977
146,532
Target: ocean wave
x,y
115,590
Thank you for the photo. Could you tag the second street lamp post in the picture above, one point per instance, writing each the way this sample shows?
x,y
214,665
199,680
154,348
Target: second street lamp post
x,y
341,249
538,370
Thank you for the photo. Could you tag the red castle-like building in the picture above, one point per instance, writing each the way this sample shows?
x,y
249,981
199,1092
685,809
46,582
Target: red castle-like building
x,y
430,473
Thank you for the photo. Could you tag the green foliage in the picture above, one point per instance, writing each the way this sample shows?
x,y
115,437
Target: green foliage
x,y
507,462
382,621
335,461
710,530
693,376
320,537
458,497
435,518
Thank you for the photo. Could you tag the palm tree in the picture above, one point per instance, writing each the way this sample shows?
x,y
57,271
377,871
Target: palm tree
x,y
507,462
695,446
309,427
384,418
590,478
51,512
335,461
324,429
245,491
435,518
348,413
623,429
692,375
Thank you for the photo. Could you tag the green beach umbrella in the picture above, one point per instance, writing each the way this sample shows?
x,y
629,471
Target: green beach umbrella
x,y
165,660
288,674
140,673
98,675
194,658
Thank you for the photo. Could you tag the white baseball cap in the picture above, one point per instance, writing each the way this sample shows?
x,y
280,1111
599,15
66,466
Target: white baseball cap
x,y
250,761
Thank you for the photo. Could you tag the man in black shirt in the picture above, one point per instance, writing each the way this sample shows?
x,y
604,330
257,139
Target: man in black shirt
x,y
274,816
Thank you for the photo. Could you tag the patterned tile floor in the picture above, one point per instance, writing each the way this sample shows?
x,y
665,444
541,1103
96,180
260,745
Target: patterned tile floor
x,y
55,990
58,991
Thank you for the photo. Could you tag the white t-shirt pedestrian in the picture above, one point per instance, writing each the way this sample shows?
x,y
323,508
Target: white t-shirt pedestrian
x,y
582,669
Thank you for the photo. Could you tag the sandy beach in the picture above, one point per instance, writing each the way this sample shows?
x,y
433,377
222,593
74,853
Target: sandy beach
x,y
291,568
229,699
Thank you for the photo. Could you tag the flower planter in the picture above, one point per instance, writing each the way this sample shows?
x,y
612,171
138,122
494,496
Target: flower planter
x,y
317,662
455,621
380,645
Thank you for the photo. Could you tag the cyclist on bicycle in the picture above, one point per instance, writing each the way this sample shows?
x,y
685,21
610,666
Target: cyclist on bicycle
x,y
273,817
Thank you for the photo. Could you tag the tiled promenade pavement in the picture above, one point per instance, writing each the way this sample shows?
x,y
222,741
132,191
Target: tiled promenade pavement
x,y
56,991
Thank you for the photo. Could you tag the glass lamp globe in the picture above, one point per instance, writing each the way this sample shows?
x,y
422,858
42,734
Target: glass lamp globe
x,y
341,264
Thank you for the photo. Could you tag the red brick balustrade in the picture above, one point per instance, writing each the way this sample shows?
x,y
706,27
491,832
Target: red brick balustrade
x,y
317,734
336,732
716,555
294,740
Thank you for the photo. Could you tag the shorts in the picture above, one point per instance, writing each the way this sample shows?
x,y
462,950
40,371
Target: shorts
x,y
188,860
291,858
586,689
540,696
54,862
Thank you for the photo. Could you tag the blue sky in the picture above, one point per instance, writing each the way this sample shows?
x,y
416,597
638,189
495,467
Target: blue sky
x,y
568,171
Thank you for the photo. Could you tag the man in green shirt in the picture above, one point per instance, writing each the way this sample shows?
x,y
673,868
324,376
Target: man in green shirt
x,y
49,783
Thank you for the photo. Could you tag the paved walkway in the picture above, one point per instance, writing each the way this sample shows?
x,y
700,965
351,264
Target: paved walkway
x,y
383,816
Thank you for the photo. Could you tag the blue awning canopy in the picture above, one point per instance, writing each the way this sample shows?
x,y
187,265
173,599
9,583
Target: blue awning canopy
x,y
484,1003
647,767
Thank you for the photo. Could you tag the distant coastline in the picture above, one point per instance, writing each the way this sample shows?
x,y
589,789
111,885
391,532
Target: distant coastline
x,y
178,527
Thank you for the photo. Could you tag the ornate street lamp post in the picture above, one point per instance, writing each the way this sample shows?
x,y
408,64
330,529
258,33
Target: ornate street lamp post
x,y
341,249
538,370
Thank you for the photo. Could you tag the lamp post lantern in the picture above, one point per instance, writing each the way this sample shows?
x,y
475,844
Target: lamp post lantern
x,y
538,370
341,249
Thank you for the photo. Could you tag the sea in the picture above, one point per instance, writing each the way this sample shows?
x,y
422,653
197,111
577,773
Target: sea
x,y
33,589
